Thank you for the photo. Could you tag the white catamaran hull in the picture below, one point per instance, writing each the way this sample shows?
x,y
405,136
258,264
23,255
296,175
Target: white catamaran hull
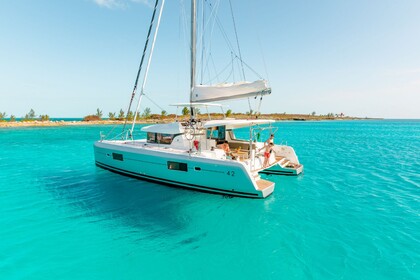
x,y
180,168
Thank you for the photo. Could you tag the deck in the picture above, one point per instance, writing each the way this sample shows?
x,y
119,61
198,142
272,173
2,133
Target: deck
x,y
263,184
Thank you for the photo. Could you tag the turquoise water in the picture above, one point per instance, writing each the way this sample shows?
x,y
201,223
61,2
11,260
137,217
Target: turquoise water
x,y
354,214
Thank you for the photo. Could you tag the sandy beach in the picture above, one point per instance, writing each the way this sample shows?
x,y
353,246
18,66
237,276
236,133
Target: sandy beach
x,y
276,117
60,123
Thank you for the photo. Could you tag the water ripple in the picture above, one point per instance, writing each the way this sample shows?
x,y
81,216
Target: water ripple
x,y
353,214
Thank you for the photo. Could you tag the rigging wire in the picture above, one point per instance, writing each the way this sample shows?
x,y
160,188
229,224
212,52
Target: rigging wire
x,y
214,66
151,100
251,69
222,30
228,42
141,62
233,65
148,65
212,24
220,73
263,58
237,40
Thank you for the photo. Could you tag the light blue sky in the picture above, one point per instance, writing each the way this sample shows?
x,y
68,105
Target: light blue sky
x,y
66,58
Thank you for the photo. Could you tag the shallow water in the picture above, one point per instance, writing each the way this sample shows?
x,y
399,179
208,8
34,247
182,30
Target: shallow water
x,y
354,214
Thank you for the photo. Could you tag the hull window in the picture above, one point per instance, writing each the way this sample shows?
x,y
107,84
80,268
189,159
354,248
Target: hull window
x,y
172,165
117,156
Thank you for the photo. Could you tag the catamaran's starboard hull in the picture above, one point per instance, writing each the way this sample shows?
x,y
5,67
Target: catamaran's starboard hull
x,y
179,169
277,169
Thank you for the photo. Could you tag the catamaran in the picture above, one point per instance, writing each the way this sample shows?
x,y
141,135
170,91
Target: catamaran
x,y
189,153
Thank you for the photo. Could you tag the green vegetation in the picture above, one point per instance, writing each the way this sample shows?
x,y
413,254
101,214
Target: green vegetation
x,y
29,116
121,115
185,111
130,116
99,113
91,118
44,118
147,116
3,116
249,113
95,117
146,113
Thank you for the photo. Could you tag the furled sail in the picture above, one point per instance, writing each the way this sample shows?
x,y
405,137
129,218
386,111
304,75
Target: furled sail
x,y
226,91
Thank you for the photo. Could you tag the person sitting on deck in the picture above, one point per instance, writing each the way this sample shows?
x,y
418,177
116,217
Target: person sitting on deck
x,y
225,147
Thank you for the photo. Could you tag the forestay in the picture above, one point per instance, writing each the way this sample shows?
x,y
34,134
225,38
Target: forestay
x,y
226,91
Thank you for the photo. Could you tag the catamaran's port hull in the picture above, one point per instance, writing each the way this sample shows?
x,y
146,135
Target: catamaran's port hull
x,y
179,169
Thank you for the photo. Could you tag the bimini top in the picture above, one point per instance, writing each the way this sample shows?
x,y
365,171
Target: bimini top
x,y
230,124
165,128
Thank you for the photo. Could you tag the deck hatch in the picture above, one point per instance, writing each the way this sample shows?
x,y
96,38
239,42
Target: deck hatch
x,y
173,165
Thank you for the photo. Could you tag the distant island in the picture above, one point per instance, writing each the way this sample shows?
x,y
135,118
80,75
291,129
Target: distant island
x,y
147,117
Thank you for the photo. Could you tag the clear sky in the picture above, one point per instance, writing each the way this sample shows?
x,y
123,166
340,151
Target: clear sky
x,y
67,58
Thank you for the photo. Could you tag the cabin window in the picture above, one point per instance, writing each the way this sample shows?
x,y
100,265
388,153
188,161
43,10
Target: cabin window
x,y
151,137
117,156
173,165
216,132
231,134
165,138
160,138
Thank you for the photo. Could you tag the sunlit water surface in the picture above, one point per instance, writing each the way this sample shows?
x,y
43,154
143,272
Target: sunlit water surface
x,y
354,214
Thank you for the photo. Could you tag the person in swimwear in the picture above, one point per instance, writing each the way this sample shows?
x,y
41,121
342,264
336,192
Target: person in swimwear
x,y
267,153
270,140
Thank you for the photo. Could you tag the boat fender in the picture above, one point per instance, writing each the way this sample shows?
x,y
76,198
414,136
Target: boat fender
x,y
196,144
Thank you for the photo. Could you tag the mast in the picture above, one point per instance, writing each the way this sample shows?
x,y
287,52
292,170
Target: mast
x,y
193,50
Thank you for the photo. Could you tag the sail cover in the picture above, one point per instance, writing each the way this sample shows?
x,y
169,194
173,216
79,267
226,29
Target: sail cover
x,y
225,91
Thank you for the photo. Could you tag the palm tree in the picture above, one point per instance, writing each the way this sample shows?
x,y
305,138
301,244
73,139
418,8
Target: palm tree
x,y
121,115
228,113
30,115
99,113
185,111
3,115
111,116
146,113
130,116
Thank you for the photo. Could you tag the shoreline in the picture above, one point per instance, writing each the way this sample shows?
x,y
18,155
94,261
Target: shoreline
x,y
49,123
